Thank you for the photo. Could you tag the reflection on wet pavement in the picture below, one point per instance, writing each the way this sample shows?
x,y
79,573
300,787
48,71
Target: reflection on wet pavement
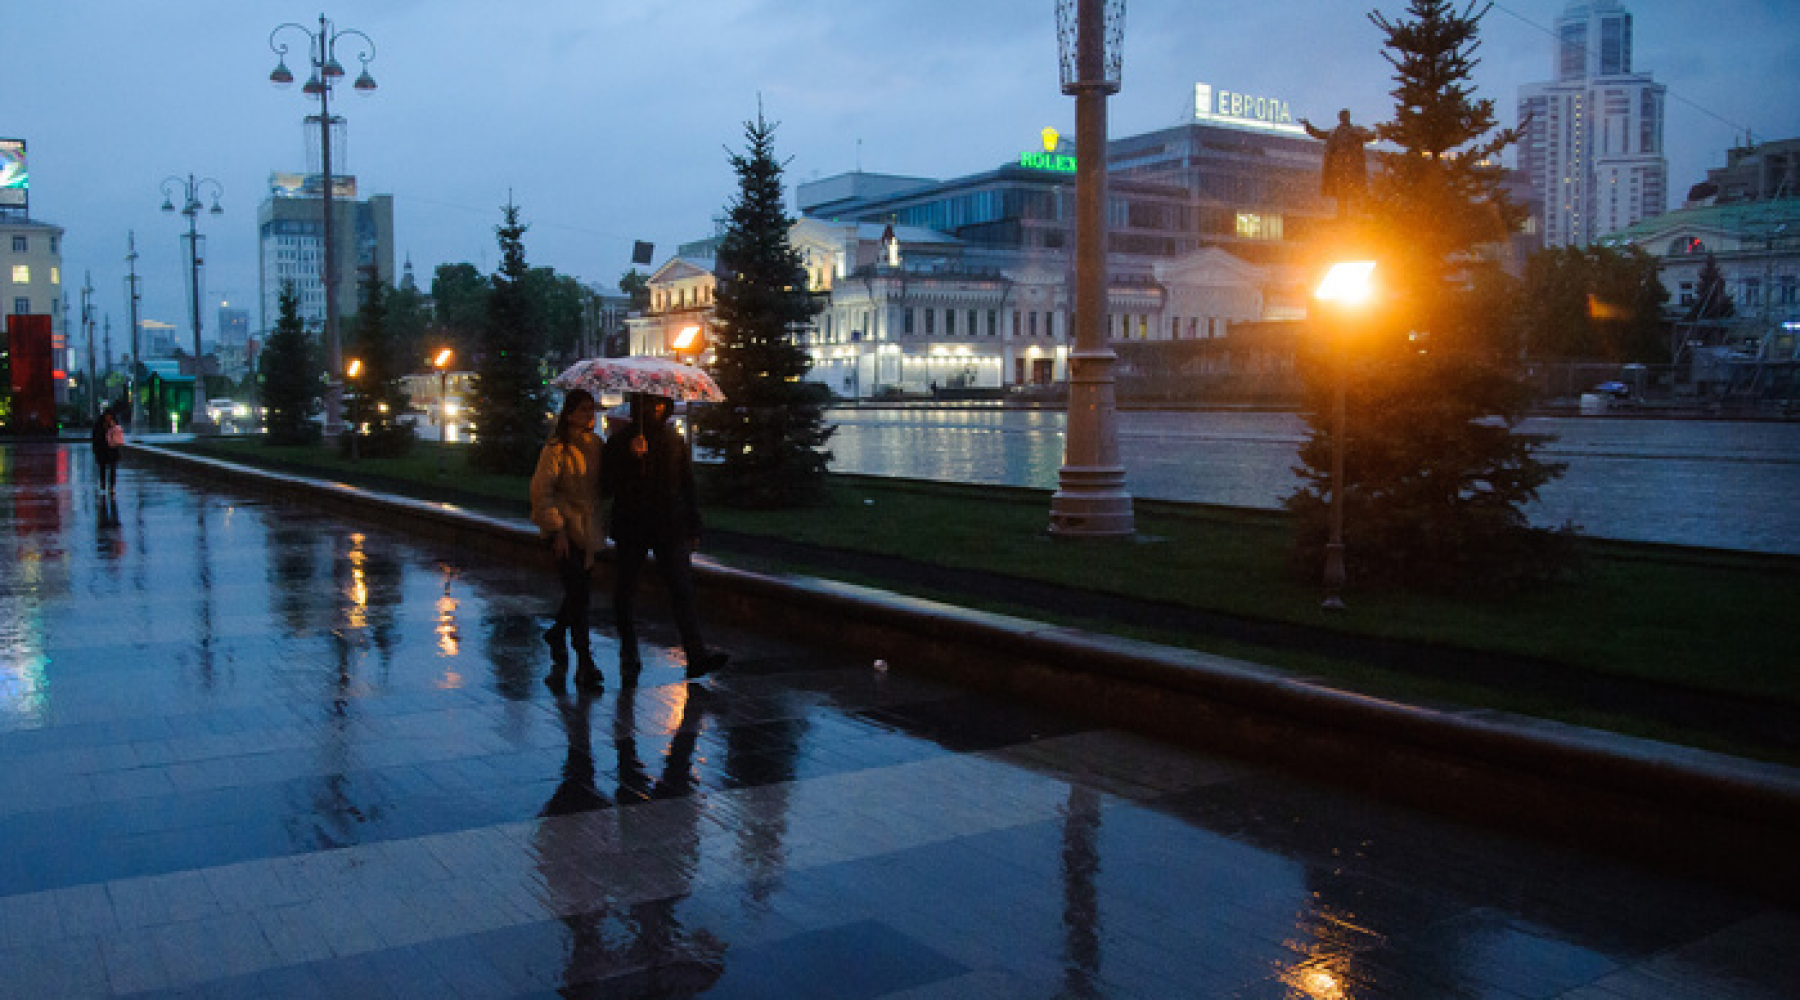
x,y
247,750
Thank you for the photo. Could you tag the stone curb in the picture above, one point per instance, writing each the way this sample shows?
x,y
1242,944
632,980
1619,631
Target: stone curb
x,y
1697,812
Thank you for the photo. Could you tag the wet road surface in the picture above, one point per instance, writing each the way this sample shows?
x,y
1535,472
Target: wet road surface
x,y
247,750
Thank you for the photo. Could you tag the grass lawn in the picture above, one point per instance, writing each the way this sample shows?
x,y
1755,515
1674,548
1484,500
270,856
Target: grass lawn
x,y
1702,620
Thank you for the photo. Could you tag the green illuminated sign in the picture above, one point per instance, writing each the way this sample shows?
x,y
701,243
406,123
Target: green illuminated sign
x,y
1062,163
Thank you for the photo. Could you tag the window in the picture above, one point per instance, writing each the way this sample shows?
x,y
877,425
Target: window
x,y
20,244
22,306
21,274
994,318
53,245
949,322
930,322
55,275
906,320
1031,323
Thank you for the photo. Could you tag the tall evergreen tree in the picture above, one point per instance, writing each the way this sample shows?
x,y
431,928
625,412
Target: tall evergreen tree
x,y
771,432
292,377
510,423
1436,478
380,400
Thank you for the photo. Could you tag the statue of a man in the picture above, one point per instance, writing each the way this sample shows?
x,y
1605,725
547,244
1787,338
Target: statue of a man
x,y
1346,176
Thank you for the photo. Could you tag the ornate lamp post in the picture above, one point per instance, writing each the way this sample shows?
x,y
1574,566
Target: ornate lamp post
x,y
1091,500
191,190
1346,288
321,56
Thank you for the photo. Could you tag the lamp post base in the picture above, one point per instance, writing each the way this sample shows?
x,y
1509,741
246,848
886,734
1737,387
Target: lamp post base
x,y
1092,503
1334,577
202,426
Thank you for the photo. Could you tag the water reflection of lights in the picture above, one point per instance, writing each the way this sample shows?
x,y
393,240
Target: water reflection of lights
x,y
24,681
1318,984
449,640
359,584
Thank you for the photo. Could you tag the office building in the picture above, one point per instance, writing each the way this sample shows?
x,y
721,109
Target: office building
x,y
1592,148
291,245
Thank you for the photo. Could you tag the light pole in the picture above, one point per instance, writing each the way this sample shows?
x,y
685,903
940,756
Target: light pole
x,y
132,294
1345,288
1090,500
350,375
321,56
441,361
191,190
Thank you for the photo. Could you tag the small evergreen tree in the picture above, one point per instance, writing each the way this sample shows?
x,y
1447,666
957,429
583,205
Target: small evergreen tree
x,y
1435,479
770,433
380,400
291,376
510,421
1711,300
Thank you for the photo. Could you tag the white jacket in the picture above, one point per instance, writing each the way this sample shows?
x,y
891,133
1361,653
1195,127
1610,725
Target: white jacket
x,y
565,492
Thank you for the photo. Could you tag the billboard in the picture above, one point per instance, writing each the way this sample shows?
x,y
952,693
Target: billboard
x,y
311,186
15,180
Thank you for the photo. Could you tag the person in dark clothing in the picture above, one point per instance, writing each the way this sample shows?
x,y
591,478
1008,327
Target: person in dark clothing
x,y
646,472
564,494
109,444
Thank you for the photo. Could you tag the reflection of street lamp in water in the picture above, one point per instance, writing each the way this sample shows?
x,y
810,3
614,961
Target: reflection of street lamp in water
x,y
1346,289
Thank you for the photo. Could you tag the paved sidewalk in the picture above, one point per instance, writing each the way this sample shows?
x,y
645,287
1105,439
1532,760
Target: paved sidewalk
x,y
248,750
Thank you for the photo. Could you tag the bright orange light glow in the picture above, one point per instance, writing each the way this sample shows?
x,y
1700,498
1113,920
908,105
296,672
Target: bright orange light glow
x,y
442,360
1347,283
355,368
686,339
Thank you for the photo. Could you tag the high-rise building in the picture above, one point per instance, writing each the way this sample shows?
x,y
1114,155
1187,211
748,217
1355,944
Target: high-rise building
x,y
1592,147
290,228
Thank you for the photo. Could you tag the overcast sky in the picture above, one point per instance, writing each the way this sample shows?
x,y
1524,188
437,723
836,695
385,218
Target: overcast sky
x,y
608,122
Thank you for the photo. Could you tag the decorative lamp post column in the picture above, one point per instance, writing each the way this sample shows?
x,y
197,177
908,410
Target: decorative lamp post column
x,y
1346,288
191,190
1091,500
321,57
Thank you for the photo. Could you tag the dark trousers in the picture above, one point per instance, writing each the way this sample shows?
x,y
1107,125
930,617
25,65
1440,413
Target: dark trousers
x,y
673,563
109,472
578,587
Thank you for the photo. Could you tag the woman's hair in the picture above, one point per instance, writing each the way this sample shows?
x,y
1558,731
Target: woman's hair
x,y
571,402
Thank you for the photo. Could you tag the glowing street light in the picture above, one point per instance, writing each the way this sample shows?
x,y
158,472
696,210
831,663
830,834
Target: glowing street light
x,y
441,361
351,372
1345,290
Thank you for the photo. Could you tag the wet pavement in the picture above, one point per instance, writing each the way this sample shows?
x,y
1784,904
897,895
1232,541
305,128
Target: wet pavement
x,y
249,750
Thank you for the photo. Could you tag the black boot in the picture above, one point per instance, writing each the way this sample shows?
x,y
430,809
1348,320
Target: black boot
x,y
559,659
587,672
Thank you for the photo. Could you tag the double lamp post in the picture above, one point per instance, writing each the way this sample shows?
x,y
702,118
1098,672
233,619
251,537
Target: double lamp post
x,y
192,190
321,58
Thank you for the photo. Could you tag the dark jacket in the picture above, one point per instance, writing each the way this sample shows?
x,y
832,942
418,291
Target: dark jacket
x,y
653,494
103,450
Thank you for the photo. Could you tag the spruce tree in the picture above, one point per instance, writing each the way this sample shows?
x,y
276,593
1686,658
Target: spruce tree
x,y
291,377
1436,477
509,399
380,400
1711,300
770,433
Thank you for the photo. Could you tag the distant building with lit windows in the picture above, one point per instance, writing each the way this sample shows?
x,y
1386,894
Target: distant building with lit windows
x,y
290,230
962,288
1592,148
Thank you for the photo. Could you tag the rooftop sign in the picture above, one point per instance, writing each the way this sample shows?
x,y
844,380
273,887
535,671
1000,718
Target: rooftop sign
x,y
1229,107
15,180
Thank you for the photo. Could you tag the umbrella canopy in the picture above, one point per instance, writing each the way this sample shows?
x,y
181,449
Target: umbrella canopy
x,y
649,375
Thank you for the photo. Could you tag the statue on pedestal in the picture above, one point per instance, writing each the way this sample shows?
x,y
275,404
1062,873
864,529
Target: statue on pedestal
x,y
1346,175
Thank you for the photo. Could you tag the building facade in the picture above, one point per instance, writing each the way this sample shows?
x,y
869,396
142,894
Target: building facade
x,y
290,226
1592,143
35,356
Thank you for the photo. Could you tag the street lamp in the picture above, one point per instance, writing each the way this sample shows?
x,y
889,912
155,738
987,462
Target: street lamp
x,y
191,191
350,374
1346,288
442,363
321,57
1091,500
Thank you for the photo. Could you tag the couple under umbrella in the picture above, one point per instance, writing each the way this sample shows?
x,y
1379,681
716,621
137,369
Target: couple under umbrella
x,y
645,470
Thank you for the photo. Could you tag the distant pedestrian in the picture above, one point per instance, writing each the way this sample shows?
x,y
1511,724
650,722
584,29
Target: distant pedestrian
x,y
647,474
564,501
109,444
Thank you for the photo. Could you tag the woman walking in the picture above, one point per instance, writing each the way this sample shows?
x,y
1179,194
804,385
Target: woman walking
x,y
564,494
109,444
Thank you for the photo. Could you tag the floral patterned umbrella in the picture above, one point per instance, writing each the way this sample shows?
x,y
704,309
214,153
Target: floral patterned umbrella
x,y
649,375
